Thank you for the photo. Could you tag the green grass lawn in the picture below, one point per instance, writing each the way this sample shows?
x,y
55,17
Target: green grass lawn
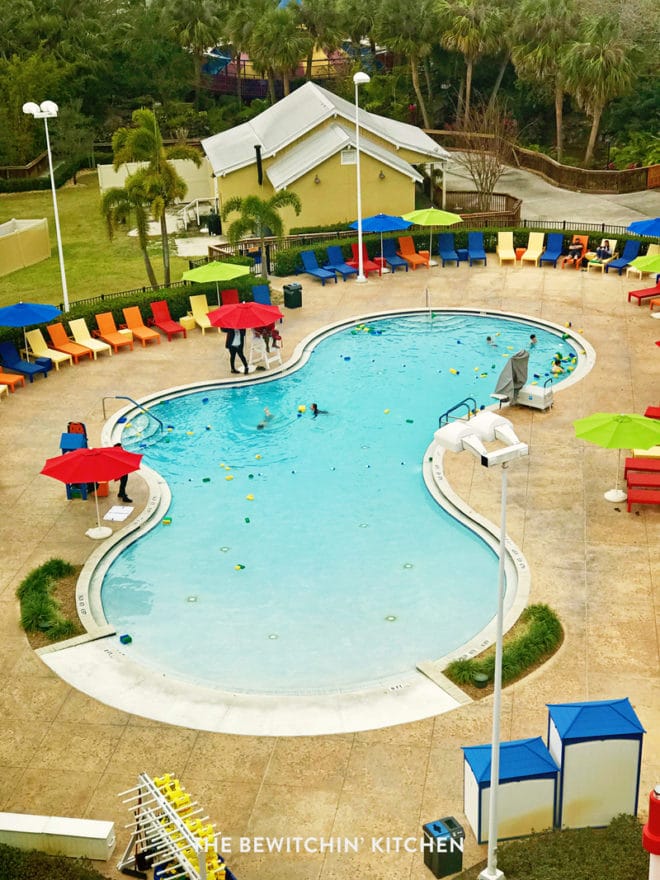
x,y
93,264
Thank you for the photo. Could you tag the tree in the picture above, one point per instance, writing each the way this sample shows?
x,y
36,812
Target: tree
x,y
276,46
119,204
159,182
72,135
322,24
197,26
256,216
358,18
541,38
410,35
597,69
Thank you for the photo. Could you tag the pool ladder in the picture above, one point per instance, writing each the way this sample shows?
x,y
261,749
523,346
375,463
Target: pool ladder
x,y
143,409
462,405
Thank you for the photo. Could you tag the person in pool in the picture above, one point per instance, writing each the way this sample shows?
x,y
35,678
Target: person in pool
x,y
489,341
318,412
556,366
532,339
267,417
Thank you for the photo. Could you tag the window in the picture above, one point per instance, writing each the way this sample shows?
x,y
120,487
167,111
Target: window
x,y
348,157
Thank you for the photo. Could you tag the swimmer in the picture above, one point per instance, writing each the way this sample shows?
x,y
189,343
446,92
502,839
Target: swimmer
x,y
318,412
267,417
532,339
489,340
556,366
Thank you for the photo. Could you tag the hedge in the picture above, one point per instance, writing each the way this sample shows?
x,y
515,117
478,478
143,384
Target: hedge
x,y
40,612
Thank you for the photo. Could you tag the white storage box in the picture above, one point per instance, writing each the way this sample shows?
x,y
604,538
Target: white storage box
x,y
536,396
78,838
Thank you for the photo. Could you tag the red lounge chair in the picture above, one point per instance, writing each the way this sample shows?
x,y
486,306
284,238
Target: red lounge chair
x,y
229,296
163,320
652,412
367,264
643,496
642,464
644,293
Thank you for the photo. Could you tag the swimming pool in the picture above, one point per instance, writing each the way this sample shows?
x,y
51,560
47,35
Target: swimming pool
x,y
322,563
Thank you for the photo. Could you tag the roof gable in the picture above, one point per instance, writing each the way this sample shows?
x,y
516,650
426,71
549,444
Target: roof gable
x,y
595,719
519,759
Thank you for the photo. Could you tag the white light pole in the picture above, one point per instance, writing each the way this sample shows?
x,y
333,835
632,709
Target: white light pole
x,y
458,436
359,79
48,110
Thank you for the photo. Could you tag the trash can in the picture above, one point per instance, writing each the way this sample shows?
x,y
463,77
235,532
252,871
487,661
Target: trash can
x,y
443,846
293,295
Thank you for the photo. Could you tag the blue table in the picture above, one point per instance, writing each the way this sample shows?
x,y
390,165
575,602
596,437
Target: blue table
x,y
462,255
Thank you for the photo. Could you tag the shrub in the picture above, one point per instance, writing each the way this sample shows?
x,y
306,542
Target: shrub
x,y
40,612
17,864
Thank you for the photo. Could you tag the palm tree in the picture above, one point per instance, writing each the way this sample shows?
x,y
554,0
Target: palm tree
x,y
159,180
321,21
597,69
118,205
277,44
358,19
197,25
257,215
241,18
541,38
410,35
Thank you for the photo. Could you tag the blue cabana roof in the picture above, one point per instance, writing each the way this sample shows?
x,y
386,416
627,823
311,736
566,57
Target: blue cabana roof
x,y
519,759
601,718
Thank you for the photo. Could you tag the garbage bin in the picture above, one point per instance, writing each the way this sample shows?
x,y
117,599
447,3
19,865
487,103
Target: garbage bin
x,y
293,295
443,846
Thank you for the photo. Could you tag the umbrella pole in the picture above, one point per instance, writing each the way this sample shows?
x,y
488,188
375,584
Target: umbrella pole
x,y
217,290
382,261
99,531
616,494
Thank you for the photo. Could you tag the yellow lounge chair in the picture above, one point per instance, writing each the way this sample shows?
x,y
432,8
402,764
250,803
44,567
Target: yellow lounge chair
x,y
39,348
599,265
138,328
82,336
199,307
504,249
61,342
535,248
108,332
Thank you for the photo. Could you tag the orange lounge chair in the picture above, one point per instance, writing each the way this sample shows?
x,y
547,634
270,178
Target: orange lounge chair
x,y
108,332
12,380
136,325
644,293
163,320
61,342
409,254
584,241
367,264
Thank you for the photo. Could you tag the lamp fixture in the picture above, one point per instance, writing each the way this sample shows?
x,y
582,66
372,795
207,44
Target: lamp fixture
x,y
381,175
317,179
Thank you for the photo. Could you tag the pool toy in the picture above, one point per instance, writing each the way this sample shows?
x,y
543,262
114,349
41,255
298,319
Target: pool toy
x,y
206,479
247,519
409,421
208,427
229,477
257,455
249,497
454,372
190,433
167,521
250,476
205,400
239,566
347,358
386,411
302,408
125,639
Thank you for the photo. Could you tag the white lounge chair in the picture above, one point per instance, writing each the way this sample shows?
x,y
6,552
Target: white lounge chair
x,y
535,248
82,336
505,250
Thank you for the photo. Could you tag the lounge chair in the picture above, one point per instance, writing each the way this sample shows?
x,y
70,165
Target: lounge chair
x,y
199,306
534,248
38,347
4,389
553,249
392,259
368,265
505,250
83,337
163,320
409,254
337,263
261,294
10,358
311,267
630,251
229,296
598,264
447,248
568,261
61,342
11,380
136,325
653,249
644,293
108,332
475,248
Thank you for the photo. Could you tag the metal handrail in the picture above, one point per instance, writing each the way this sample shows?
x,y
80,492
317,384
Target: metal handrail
x,y
444,418
135,403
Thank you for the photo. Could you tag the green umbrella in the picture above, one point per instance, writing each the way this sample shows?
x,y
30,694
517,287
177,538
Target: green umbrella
x,y
649,263
216,271
432,217
618,431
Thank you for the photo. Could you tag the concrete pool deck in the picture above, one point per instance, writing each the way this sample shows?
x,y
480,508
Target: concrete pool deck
x,y
64,753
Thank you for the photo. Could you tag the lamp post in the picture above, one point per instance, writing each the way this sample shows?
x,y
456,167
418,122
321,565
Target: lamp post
x,y
470,435
48,110
359,79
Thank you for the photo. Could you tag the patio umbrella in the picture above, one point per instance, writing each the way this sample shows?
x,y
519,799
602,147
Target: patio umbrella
x,y
98,465
216,271
244,315
651,228
618,431
23,314
432,217
382,223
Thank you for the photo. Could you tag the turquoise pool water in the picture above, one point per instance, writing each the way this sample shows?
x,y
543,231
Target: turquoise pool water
x,y
307,555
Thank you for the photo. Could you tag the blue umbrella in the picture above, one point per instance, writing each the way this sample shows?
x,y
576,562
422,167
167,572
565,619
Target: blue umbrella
x,y
651,228
24,314
382,223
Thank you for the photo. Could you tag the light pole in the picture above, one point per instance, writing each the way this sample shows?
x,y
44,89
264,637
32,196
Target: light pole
x,y
48,110
471,435
359,79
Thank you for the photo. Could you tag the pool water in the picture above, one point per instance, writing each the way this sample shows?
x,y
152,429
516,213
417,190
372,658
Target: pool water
x,y
307,555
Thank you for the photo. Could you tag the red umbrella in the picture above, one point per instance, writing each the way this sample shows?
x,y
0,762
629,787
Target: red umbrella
x,y
243,316
93,466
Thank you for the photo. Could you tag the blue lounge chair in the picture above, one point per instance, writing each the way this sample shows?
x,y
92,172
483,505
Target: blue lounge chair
x,y
630,251
475,248
311,267
447,248
10,358
391,257
553,249
336,262
261,294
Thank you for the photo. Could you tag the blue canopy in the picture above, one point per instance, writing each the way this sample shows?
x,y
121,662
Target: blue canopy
x,y
382,223
519,759
597,719
24,314
646,227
